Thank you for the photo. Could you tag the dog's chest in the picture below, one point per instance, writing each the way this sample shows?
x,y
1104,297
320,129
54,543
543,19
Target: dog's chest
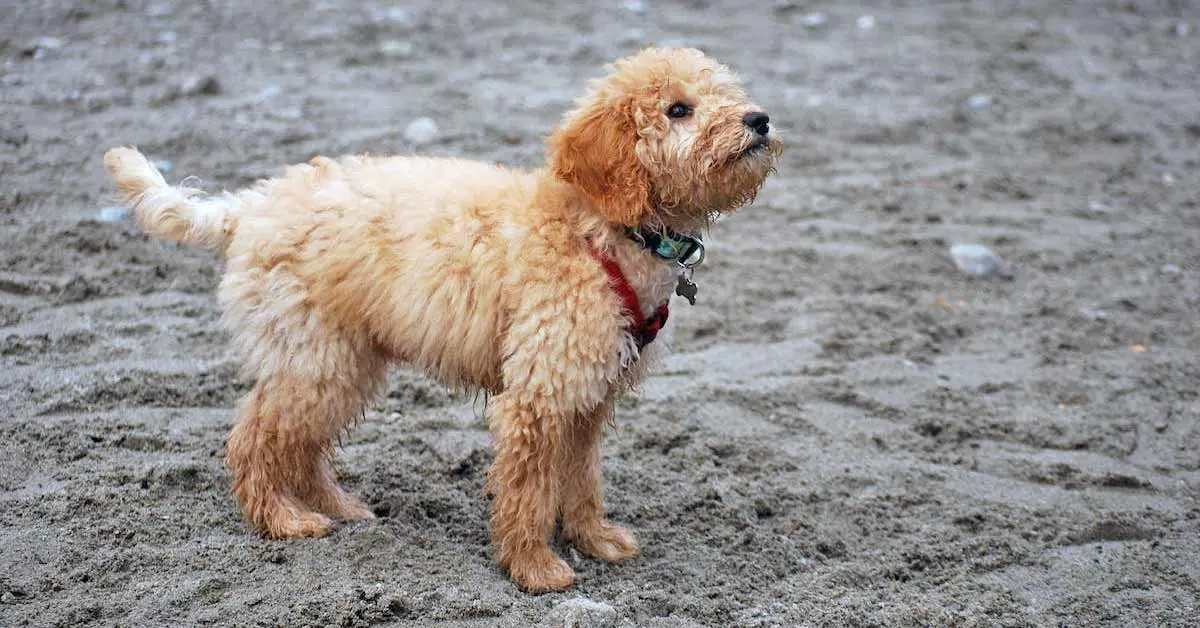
x,y
653,280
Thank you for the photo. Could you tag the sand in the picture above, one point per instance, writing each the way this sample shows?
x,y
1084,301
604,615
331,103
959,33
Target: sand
x,y
850,431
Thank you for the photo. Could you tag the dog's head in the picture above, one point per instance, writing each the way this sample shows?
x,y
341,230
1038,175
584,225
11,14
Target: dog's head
x,y
669,136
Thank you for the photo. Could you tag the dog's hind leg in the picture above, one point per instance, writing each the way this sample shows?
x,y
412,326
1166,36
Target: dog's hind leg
x,y
281,448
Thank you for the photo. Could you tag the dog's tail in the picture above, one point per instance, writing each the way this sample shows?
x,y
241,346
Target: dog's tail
x,y
176,213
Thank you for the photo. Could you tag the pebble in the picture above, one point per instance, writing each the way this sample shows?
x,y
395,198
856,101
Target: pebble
x,y
286,113
979,101
268,93
395,15
636,7
980,262
580,612
421,131
113,213
1094,209
164,165
866,22
160,9
206,85
396,48
1171,269
167,37
42,46
322,32
814,19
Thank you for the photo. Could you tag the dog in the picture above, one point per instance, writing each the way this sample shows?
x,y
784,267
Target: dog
x,y
527,285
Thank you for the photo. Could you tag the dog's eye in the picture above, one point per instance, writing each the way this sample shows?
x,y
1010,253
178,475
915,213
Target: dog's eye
x,y
679,110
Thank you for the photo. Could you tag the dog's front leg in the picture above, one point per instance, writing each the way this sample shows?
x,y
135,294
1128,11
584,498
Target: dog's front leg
x,y
525,503
561,354
583,518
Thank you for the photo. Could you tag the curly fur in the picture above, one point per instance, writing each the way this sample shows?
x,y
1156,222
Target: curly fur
x,y
482,276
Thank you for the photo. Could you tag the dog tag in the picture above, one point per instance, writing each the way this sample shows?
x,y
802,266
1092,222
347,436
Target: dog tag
x,y
686,289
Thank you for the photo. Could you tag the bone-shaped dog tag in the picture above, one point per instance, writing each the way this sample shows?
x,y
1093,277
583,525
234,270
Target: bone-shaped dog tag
x,y
686,289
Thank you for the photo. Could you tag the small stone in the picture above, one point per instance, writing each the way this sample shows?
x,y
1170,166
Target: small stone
x,y
980,262
322,32
580,612
164,165
1093,314
49,43
1168,179
636,7
1094,209
206,85
866,22
814,19
421,131
286,113
113,213
395,15
1171,269
42,46
396,48
160,9
77,289
1183,29
166,37
268,93
979,101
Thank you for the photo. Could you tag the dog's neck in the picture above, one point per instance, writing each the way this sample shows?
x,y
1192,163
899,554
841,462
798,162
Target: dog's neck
x,y
580,212
665,242
651,276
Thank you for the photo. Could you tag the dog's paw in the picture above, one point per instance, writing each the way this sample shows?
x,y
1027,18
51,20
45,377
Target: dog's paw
x,y
541,572
350,508
292,523
603,540
356,510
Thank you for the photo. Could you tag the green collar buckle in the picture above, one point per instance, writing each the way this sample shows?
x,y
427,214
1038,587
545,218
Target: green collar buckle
x,y
685,250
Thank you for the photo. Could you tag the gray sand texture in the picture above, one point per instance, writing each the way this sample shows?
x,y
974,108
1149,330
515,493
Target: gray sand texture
x,y
850,431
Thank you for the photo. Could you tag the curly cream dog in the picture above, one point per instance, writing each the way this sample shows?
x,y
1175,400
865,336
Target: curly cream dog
x,y
488,278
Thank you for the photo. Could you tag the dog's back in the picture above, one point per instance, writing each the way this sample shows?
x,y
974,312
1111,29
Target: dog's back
x,y
410,252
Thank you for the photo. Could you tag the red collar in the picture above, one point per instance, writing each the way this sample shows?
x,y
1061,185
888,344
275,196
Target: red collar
x,y
644,329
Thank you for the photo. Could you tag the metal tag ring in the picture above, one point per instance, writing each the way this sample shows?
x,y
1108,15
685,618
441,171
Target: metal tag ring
x,y
698,248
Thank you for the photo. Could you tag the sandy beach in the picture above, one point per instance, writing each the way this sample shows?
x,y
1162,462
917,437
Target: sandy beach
x,y
850,430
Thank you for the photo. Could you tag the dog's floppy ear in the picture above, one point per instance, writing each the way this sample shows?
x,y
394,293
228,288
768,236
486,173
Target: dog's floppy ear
x,y
596,151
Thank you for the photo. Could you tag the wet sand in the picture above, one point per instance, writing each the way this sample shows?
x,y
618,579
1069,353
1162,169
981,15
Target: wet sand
x,y
850,431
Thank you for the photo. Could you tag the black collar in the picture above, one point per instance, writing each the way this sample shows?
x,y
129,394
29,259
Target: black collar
x,y
685,250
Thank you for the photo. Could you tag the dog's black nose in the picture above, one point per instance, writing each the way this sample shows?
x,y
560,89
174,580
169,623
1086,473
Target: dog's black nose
x,y
758,120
